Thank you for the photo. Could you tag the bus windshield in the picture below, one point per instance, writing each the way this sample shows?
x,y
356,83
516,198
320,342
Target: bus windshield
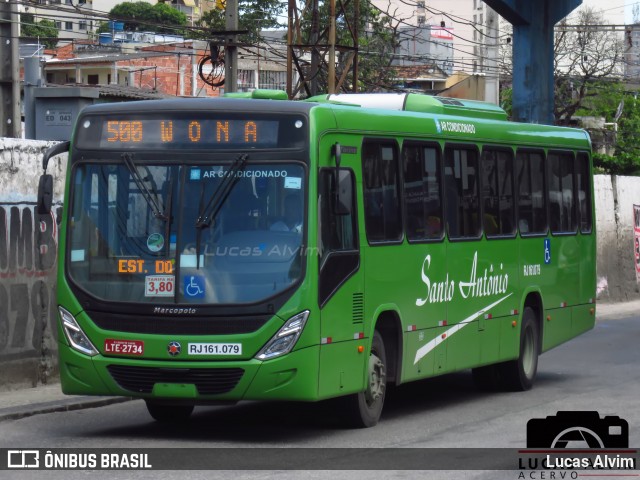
x,y
145,243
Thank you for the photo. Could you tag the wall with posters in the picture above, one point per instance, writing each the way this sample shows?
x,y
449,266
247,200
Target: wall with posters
x,y
28,257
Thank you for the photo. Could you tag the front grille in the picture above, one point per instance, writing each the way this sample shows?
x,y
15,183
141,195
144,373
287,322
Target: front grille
x,y
200,325
208,381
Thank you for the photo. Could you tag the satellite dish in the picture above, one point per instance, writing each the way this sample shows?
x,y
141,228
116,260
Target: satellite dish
x,y
619,110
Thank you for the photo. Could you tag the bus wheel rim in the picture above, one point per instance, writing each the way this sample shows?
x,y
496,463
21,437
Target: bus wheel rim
x,y
528,354
377,380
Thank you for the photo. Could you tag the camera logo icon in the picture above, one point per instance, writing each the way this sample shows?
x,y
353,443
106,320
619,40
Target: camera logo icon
x,y
23,459
578,430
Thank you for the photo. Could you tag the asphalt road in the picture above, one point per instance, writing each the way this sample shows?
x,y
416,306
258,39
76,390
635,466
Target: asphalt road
x,y
597,371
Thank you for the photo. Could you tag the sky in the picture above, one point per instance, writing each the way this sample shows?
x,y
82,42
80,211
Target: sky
x,y
628,10
615,11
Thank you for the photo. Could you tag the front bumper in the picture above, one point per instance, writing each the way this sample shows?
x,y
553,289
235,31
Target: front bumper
x,y
292,377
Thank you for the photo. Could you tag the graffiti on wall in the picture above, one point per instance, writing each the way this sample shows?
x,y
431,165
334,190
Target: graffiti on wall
x,y
28,260
636,239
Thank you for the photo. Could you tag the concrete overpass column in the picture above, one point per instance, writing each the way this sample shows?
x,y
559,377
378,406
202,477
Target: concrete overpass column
x,y
533,24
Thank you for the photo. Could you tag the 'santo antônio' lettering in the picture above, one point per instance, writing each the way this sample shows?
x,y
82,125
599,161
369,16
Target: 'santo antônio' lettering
x,y
487,284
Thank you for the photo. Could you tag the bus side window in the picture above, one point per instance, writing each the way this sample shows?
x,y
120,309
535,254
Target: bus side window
x,y
461,192
337,232
422,191
382,211
584,192
530,181
562,208
497,192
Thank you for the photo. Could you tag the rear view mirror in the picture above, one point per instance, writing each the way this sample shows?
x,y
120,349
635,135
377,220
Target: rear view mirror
x,y
45,194
344,192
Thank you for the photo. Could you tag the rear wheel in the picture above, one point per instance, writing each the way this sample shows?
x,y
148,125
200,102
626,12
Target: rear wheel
x,y
364,408
519,374
169,413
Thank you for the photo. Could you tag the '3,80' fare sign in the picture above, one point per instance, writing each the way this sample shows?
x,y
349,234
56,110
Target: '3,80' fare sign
x,y
158,285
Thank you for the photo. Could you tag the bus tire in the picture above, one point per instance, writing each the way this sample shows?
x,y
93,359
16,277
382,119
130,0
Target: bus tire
x,y
519,374
168,413
363,409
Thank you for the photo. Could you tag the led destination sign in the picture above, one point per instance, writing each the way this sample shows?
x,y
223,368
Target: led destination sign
x,y
189,132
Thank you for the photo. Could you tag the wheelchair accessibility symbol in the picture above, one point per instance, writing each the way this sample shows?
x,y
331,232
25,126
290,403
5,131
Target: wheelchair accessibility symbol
x,y
547,251
194,286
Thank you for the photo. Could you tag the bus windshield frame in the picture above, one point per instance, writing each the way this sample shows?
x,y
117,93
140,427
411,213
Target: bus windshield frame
x,y
249,254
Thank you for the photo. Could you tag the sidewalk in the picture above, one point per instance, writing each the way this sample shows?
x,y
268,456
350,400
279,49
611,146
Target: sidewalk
x,y
16,404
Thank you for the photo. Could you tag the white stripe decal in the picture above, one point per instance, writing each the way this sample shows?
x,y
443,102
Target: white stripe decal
x,y
424,350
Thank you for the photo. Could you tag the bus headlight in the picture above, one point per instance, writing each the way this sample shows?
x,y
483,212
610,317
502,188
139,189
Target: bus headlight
x,y
285,339
75,336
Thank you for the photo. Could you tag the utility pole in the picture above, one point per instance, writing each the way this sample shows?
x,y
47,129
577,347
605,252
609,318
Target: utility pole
x,y
231,48
32,79
491,86
10,118
332,48
315,54
322,48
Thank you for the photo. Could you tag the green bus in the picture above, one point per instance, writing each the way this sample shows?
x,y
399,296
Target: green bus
x,y
215,250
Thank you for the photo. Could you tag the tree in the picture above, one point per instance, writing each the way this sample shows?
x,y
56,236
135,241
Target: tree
x,y
44,29
142,16
621,107
377,48
584,54
377,36
253,16
377,43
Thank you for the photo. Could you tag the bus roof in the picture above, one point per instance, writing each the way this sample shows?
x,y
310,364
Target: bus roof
x,y
414,102
384,114
198,104
464,121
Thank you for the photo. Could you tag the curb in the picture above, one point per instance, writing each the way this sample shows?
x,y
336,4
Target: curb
x,y
65,405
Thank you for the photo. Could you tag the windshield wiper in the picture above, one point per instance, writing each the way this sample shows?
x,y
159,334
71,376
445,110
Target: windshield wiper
x,y
127,158
217,199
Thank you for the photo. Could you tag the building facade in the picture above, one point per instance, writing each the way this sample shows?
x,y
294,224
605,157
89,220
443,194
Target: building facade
x,y
79,19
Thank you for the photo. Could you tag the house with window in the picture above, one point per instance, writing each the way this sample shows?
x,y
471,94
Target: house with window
x,y
182,68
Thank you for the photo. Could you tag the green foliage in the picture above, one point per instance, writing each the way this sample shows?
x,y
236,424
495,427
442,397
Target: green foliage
x,y
377,50
253,16
103,27
506,100
377,41
29,27
618,164
142,16
604,101
610,96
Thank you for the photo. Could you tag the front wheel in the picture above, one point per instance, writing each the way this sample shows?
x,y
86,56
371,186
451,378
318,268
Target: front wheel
x,y
519,374
169,413
364,408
